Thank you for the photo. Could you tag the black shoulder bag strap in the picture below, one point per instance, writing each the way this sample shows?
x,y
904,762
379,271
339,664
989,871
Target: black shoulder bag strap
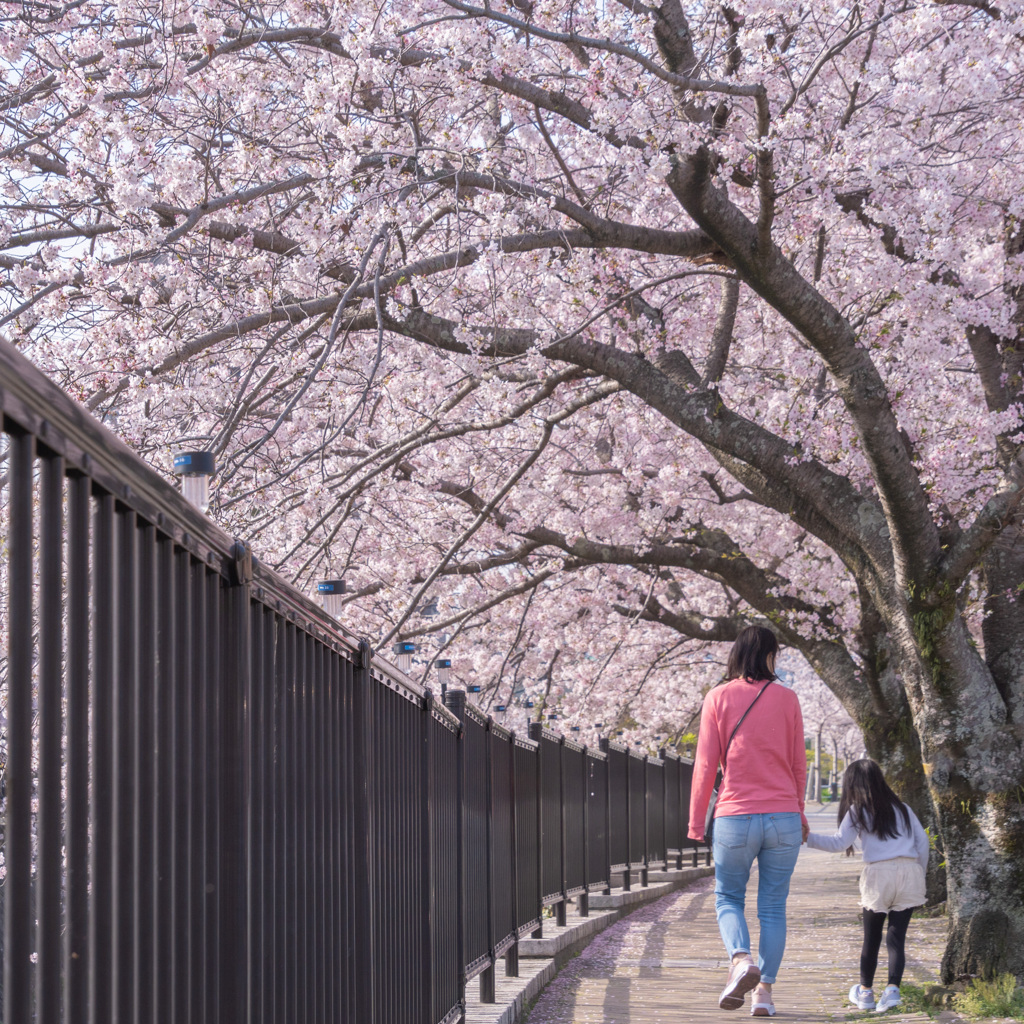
x,y
709,822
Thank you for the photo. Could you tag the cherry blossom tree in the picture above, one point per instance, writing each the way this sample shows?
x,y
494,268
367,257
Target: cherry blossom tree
x,y
599,328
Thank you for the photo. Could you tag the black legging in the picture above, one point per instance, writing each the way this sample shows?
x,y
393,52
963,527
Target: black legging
x,y
895,937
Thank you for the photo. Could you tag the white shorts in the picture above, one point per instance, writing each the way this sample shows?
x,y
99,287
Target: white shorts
x,y
895,884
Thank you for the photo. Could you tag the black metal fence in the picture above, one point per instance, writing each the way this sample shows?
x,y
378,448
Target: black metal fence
x,y
219,808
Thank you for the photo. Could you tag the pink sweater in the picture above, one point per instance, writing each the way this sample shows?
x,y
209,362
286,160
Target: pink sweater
x,y
767,762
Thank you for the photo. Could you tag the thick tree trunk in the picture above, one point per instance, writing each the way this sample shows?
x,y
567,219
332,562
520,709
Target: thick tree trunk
x,y
985,868
973,759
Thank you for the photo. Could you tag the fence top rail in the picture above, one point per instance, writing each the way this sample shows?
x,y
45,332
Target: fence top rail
x,y
638,754
615,747
478,716
597,755
574,745
444,716
545,733
656,762
500,730
525,742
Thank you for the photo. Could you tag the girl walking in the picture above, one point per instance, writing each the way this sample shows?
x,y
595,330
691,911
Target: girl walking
x,y
895,851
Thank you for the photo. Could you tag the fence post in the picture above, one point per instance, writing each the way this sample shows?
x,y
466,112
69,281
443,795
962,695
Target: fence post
x,y
455,702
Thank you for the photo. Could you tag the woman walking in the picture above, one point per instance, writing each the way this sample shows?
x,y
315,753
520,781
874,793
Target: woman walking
x,y
892,883
753,727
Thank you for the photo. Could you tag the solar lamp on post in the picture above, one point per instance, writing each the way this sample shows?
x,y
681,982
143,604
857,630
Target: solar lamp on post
x,y
330,593
403,652
444,669
196,470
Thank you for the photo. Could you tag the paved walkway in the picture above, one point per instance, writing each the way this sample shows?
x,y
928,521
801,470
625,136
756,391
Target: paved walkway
x,y
664,964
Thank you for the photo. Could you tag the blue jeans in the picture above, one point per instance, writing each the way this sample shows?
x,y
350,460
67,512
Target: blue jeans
x,y
773,840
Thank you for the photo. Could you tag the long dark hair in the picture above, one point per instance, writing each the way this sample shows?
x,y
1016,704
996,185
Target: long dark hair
x,y
869,796
749,656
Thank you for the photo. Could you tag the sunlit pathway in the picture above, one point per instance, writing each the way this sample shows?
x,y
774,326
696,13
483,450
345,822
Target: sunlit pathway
x,y
664,964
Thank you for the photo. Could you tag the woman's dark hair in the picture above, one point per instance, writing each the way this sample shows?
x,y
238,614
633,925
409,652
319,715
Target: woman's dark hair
x,y
874,804
749,656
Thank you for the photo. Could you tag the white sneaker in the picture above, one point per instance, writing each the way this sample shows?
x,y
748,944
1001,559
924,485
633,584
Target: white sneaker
x,y
743,976
863,998
890,998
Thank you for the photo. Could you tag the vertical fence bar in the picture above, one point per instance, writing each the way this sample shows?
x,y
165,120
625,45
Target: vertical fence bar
x,y
321,848
124,881
645,781
284,944
76,934
165,819
304,778
583,904
603,744
235,867
455,702
101,879
213,689
512,956
536,731
146,751
18,829
183,796
365,959
487,978
292,824
51,584
427,852
261,768
563,902
199,796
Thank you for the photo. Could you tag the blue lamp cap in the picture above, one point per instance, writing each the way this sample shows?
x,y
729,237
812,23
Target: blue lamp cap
x,y
195,464
443,663
331,587
474,689
501,707
404,647
528,704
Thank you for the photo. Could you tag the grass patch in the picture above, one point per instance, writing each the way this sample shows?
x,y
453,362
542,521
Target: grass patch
x,y
998,997
917,1000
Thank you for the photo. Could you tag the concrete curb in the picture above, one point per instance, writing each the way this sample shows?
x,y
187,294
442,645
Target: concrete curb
x,y
540,959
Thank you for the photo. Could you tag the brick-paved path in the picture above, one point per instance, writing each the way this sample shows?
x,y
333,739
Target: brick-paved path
x,y
664,964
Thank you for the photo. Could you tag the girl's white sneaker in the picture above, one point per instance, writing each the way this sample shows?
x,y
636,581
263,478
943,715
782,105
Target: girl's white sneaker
x,y
890,998
863,998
